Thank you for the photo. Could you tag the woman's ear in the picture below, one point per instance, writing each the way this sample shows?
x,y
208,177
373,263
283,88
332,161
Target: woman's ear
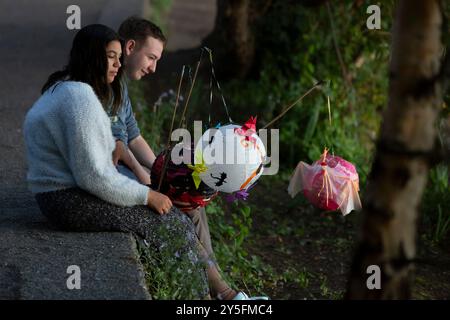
x,y
130,45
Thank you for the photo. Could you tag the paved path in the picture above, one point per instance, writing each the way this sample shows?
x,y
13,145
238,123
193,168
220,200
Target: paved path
x,y
189,22
34,42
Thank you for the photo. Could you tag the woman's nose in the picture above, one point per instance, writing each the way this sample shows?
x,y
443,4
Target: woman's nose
x,y
117,63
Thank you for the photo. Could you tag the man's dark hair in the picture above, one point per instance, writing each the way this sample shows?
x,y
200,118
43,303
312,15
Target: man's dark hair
x,y
138,29
88,63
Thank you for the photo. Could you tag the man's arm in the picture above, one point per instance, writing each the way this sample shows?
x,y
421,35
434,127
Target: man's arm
x,y
138,170
120,153
136,143
142,151
123,154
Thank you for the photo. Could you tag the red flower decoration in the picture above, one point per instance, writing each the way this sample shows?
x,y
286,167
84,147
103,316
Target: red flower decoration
x,y
248,129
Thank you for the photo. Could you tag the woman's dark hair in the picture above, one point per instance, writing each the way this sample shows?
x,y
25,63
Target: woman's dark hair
x,y
88,63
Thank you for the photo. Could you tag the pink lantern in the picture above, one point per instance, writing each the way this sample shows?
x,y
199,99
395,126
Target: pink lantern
x,y
330,183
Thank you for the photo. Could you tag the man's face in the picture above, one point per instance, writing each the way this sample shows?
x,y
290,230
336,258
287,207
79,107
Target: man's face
x,y
141,59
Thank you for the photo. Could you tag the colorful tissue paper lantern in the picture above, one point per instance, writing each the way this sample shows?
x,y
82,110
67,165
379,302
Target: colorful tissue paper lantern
x,y
179,182
330,183
234,156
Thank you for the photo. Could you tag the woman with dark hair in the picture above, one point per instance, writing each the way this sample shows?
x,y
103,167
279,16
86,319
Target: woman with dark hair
x,y
69,147
86,63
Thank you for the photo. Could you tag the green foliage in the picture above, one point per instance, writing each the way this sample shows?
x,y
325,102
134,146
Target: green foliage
x,y
436,205
326,292
169,272
293,52
229,235
296,51
158,13
231,240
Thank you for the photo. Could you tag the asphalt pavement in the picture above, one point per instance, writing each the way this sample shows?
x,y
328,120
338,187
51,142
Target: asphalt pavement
x,y
35,259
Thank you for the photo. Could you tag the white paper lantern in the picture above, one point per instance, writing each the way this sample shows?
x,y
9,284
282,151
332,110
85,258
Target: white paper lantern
x,y
234,161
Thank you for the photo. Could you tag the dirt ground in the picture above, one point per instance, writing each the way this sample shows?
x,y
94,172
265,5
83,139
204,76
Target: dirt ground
x,y
289,233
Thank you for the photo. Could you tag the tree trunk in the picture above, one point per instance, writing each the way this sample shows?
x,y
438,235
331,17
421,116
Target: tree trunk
x,y
402,160
232,40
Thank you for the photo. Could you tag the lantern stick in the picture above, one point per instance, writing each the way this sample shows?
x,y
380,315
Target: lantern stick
x,y
293,104
329,109
166,160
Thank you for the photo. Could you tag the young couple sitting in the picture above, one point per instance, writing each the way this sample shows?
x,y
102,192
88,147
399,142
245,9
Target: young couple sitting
x,y
88,164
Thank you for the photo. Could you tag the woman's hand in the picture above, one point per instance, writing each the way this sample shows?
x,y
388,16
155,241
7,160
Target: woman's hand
x,y
159,202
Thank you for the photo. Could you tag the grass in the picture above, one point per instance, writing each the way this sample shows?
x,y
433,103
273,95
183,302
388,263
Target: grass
x,y
170,273
229,233
436,206
442,225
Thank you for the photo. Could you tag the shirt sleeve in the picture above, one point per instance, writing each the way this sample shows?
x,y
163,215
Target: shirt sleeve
x,y
118,129
130,121
91,144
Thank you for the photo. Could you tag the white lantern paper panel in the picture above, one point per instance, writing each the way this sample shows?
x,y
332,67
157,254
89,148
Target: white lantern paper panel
x,y
234,161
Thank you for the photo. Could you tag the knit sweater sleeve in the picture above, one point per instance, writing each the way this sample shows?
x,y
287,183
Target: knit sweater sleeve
x,y
90,147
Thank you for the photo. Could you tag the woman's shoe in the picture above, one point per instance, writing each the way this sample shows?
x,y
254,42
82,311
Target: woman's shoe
x,y
243,296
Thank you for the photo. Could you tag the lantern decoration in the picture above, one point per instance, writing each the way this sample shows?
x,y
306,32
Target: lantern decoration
x,y
330,183
240,195
198,168
181,182
248,130
234,157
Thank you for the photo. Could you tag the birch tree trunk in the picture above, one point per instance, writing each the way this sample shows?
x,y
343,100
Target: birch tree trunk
x,y
402,160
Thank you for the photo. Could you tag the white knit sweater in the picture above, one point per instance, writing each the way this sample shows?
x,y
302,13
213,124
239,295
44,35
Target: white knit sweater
x,y
69,143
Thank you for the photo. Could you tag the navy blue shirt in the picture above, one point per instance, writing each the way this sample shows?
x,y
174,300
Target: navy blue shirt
x,y
124,126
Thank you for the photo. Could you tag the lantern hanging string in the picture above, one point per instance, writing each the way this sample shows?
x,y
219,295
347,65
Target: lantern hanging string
x,y
213,76
182,120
